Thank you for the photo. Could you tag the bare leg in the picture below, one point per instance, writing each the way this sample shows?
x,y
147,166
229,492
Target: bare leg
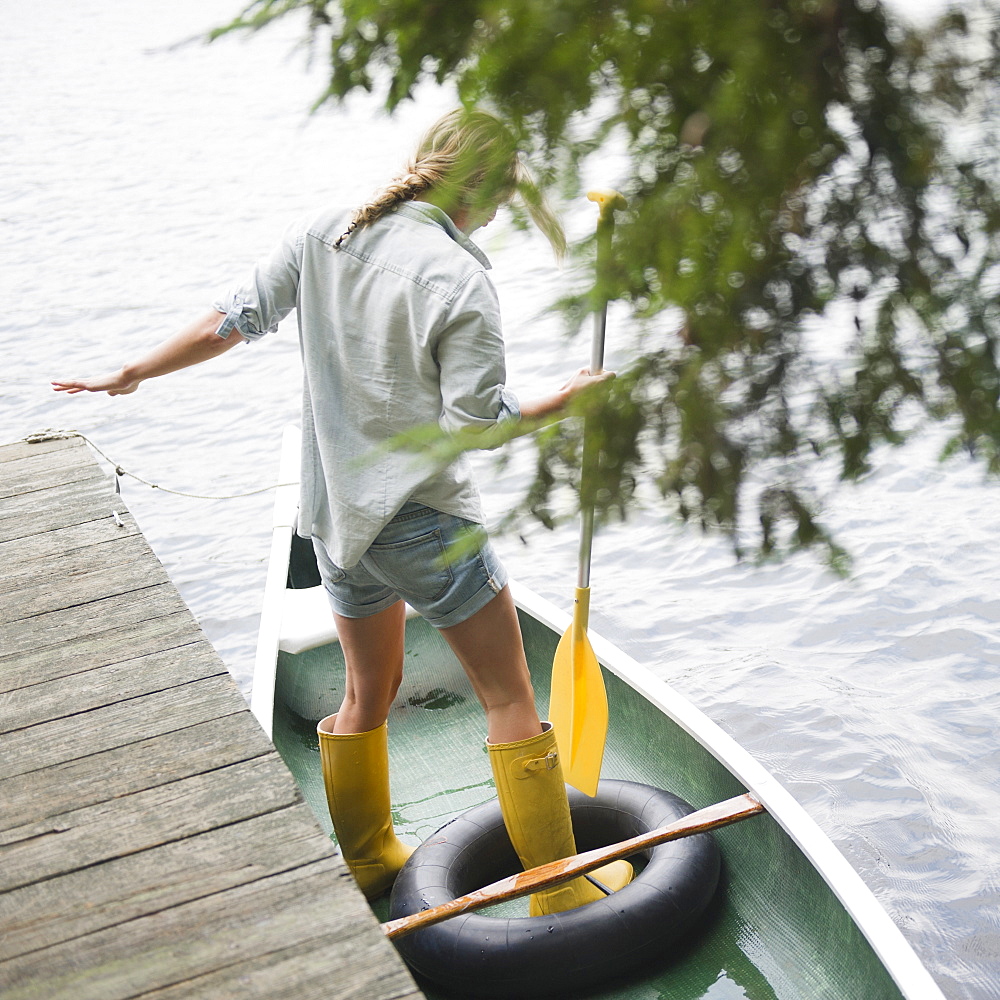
x,y
489,647
373,651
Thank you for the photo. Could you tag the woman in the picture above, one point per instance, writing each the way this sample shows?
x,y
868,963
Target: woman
x,y
399,328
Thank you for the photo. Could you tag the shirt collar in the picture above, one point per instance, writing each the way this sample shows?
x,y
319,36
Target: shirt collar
x,y
431,215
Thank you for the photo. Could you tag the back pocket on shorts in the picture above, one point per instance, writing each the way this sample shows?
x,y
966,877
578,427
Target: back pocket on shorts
x,y
416,567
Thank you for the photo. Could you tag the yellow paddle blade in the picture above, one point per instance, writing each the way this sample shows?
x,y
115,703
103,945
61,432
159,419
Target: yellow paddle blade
x,y
578,703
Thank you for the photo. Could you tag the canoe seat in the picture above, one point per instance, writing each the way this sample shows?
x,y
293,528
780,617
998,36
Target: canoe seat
x,y
307,620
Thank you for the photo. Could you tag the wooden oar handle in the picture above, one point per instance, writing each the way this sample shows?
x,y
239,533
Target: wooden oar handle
x,y
557,872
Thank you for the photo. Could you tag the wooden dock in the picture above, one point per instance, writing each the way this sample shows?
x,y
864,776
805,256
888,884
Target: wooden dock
x,y
152,843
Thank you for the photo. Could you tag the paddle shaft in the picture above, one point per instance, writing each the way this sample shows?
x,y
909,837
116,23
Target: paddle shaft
x,y
607,201
556,872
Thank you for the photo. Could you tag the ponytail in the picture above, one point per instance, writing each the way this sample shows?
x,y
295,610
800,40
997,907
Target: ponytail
x,y
406,187
466,158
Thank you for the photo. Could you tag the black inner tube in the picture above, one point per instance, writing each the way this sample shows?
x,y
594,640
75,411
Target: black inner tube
x,y
557,954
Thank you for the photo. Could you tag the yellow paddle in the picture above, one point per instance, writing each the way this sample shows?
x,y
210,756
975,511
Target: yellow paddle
x,y
578,703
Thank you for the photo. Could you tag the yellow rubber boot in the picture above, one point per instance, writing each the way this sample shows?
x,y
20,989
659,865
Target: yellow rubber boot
x,y
356,776
535,810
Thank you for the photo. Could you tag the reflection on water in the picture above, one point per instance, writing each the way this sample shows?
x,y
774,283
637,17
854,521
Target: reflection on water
x,y
139,177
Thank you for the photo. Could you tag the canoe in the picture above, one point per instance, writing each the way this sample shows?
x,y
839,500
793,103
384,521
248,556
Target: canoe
x,y
791,921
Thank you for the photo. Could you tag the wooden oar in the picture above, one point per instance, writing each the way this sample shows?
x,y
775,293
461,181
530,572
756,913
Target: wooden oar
x,y
557,872
578,703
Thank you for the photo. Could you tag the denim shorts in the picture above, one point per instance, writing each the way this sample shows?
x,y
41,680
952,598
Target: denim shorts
x,y
410,560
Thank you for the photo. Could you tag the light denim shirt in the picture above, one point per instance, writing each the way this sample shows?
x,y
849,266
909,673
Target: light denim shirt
x,y
399,328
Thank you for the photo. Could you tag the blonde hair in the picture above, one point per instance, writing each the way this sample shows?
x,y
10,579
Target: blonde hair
x,y
467,159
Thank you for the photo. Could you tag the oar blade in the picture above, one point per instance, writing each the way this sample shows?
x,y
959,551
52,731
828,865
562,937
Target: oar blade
x,y
578,709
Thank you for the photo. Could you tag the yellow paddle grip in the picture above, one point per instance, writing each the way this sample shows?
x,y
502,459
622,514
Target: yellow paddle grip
x,y
608,200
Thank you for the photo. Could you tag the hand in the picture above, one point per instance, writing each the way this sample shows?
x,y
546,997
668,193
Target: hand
x,y
583,380
117,384
553,404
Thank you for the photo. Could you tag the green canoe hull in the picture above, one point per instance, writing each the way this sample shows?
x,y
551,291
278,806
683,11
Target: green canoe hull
x,y
792,920
779,932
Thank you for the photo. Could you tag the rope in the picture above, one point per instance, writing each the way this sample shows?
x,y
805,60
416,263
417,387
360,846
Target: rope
x,y
58,435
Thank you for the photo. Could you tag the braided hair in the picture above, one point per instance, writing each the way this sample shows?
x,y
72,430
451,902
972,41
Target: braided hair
x,y
467,159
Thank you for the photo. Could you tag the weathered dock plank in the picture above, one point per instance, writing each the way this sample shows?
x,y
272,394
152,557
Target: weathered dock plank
x,y
122,574
137,885
152,843
29,475
54,628
76,655
116,725
24,449
57,507
144,820
109,774
266,977
63,542
181,942
69,697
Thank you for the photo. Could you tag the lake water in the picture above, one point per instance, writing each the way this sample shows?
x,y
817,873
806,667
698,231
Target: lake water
x,y
138,176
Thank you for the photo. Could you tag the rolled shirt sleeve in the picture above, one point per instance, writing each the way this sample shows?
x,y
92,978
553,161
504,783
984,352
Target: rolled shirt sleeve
x,y
510,408
255,306
470,355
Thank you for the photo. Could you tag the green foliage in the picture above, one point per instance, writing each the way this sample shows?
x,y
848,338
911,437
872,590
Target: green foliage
x,y
781,159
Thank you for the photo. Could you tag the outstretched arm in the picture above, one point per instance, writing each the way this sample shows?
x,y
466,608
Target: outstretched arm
x,y
197,342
